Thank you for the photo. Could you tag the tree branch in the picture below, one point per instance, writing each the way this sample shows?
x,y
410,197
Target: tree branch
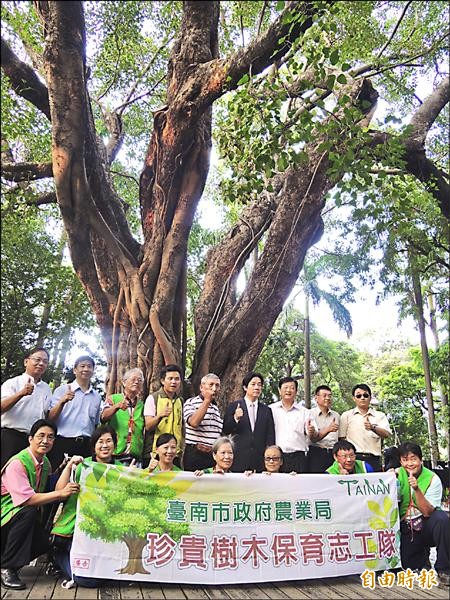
x,y
394,31
427,113
24,80
26,171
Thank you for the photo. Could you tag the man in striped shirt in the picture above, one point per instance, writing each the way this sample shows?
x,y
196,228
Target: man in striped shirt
x,y
203,424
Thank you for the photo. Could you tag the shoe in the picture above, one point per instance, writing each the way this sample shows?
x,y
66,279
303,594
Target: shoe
x,y
68,584
444,579
53,570
10,579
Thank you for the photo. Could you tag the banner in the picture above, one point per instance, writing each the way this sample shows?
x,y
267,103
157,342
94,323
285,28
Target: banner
x,y
218,529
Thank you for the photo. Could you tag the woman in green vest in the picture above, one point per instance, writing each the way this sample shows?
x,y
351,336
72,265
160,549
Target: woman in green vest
x,y
166,452
125,414
103,442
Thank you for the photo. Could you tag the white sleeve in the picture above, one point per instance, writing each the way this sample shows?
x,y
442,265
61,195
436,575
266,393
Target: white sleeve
x,y
10,387
434,492
149,407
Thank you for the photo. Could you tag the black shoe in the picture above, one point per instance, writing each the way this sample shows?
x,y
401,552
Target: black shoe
x,y
444,579
53,570
10,579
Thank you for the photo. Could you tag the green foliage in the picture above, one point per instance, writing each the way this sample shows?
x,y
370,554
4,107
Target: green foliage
x,y
121,503
335,364
33,276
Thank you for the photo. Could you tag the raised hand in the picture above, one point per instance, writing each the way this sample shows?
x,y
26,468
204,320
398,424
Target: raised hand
x,y
238,413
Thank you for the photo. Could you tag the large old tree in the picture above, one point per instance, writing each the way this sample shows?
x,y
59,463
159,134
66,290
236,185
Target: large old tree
x,y
298,88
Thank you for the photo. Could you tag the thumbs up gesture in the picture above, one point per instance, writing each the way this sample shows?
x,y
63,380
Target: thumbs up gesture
x,y
367,424
238,413
334,426
310,428
69,395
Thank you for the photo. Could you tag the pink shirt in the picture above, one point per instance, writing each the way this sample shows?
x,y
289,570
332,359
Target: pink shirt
x,y
15,481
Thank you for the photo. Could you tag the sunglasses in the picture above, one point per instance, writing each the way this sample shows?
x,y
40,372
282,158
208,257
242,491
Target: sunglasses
x,y
365,395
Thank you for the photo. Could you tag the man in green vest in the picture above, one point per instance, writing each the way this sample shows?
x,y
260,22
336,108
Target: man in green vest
x,y
163,412
345,462
422,523
23,484
124,412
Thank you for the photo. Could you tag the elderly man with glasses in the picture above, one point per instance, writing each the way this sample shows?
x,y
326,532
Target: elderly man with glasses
x,y
24,400
365,427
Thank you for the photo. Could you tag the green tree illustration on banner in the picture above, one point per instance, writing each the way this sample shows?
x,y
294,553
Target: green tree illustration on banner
x,y
120,504
386,517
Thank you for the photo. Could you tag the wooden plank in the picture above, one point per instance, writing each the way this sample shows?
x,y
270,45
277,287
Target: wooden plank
x,y
255,592
84,593
43,587
173,592
271,591
130,590
194,591
110,591
153,591
28,575
216,592
290,590
60,593
318,588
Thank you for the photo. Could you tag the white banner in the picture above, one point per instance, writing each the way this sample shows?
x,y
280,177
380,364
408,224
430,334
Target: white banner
x,y
218,529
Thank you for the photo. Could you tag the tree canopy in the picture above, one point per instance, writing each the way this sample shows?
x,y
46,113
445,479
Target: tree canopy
x,y
109,110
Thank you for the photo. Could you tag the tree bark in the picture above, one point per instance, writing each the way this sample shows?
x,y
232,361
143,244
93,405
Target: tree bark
x,y
135,549
419,315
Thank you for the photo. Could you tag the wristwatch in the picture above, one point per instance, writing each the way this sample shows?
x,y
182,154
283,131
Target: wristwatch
x,y
374,426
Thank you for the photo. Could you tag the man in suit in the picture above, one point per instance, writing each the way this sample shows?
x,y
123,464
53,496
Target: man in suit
x,y
251,424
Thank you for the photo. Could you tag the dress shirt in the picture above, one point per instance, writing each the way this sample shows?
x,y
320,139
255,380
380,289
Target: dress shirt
x,y
28,409
252,409
15,480
352,429
79,416
324,421
290,427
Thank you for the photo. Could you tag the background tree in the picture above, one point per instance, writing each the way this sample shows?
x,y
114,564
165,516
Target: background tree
x,y
297,80
43,302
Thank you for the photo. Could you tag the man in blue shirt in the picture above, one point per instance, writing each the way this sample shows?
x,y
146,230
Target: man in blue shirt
x,y
75,408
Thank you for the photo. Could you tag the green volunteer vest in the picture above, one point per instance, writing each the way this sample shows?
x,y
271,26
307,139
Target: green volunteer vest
x,y
8,509
173,423
119,422
158,470
423,482
360,467
65,523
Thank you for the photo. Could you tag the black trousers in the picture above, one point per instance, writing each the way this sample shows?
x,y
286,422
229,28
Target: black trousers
x,y
373,460
79,445
319,459
295,461
12,442
414,546
194,460
23,539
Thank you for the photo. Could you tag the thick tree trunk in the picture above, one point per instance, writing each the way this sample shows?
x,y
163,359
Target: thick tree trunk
x,y
135,549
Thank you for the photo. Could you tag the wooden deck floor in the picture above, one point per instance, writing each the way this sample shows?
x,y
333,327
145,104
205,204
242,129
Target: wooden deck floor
x,y
41,586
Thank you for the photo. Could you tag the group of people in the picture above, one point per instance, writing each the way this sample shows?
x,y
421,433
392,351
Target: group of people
x,y
44,432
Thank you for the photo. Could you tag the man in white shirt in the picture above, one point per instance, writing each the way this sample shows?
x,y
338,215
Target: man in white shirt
x,y
320,455
294,427
24,400
75,408
365,427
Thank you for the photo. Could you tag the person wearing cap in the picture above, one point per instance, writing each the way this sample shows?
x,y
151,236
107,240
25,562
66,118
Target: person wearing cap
x,y
24,400
75,408
365,427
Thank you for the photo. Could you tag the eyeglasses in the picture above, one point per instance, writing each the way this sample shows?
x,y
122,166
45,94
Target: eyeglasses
x,y
365,395
42,436
347,456
272,458
36,361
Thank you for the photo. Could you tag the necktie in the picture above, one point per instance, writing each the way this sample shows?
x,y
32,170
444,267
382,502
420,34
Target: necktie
x,y
252,415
